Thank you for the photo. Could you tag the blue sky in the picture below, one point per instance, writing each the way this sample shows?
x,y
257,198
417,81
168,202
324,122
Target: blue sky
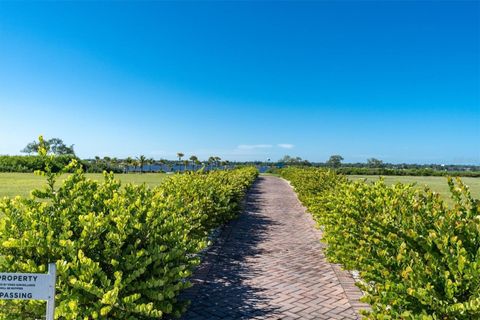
x,y
398,81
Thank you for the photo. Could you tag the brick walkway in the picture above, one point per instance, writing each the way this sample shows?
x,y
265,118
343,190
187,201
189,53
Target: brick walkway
x,y
268,264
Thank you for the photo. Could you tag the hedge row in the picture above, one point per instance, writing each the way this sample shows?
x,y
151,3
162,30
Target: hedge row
x,y
122,252
425,172
32,163
418,257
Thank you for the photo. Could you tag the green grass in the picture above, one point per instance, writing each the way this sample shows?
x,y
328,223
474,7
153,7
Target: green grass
x,y
437,184
13,184
20,184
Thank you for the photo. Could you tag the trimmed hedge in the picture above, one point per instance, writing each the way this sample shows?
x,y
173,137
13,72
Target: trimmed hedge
x,y
32,163
122,252
418,257
424,172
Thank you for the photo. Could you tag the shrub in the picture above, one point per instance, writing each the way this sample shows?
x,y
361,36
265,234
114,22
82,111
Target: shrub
x,y
32,163
122,252
418,258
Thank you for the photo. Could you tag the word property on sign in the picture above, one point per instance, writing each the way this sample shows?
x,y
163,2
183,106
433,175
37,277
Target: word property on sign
x,y
30,286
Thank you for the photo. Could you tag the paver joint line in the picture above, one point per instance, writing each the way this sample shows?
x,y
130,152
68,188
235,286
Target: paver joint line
x,y
268,264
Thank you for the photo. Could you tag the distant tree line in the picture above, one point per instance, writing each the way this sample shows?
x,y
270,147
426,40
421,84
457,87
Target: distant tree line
x,y
64,154
375,166
140,164
426,171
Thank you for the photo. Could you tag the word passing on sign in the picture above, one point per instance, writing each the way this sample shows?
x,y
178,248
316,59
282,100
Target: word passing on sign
x,y
30,286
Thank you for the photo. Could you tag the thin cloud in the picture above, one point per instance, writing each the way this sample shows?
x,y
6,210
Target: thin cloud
x,y
254,146
285,145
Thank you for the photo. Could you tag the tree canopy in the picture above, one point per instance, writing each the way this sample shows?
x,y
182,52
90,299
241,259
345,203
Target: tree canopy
x,y
54,146
335,161
293,160
374,163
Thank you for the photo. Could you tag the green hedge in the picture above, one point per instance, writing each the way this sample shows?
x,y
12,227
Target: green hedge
x,y
418,257
32,163
58,163
424,172
122,252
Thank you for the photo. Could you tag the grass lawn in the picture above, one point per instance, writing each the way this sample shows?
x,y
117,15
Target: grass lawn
x,y
437,184
14,184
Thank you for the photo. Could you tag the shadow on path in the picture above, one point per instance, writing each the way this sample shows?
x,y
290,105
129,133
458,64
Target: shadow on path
x,y
220,289
268,264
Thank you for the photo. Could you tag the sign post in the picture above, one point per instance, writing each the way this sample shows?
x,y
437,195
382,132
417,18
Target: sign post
x,y
31,286
52,272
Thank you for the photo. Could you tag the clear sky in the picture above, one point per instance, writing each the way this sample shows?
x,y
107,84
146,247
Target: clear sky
x,y
398,81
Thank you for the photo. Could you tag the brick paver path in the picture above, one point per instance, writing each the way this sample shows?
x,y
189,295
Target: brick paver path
x,y
268,264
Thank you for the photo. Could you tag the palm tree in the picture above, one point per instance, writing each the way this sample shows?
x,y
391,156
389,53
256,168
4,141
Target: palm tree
x,y
180,156
141,162
163,163
129,162
225,163
217,161
211,161
194,160
151,161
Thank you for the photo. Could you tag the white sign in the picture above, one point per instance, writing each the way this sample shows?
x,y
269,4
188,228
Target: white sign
x,y
30,286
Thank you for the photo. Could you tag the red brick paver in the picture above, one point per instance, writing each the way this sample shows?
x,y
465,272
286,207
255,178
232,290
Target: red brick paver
x,y
268,264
